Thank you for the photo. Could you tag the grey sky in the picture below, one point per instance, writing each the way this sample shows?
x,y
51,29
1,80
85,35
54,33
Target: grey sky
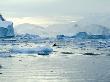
x,y
32,8
53,7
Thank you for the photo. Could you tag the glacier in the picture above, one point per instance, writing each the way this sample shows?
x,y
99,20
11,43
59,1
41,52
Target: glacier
x,y
6,28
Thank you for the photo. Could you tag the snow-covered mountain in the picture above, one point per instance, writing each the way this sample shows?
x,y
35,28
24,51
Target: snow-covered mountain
x,y
99,20
30,28
91,25
71,29
67,29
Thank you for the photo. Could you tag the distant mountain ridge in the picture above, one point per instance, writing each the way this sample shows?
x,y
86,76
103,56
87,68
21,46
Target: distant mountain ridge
x,y
30,28
91,25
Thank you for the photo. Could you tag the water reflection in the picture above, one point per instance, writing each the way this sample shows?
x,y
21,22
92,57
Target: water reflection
x,y
55,69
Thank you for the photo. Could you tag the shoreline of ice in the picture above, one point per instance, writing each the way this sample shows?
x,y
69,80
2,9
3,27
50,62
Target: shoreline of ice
x,y
65,48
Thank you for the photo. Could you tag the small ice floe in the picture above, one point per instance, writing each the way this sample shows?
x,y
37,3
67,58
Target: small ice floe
x,y
40,50
94,54
44,50
5,54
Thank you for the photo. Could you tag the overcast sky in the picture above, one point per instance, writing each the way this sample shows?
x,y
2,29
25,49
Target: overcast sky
x,y
48,10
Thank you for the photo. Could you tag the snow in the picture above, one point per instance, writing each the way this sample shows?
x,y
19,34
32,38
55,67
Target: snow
x,y
91,25
27,37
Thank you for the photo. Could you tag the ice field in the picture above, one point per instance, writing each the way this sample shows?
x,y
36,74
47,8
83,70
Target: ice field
x,y
68,62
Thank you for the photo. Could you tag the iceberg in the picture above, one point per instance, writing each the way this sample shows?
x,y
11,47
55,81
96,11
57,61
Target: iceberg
x,y
6,28
40,50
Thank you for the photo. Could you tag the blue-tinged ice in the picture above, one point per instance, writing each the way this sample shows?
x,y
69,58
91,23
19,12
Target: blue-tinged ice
x,y
40,50
6,28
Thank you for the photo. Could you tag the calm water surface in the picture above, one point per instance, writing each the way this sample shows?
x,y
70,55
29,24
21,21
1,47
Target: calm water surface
x,y
55,69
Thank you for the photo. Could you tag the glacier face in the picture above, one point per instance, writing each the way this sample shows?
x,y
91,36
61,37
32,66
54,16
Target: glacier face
x,y
6,28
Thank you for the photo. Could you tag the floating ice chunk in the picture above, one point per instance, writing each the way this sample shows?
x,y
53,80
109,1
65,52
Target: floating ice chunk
x,y
40,50
44,50
4,54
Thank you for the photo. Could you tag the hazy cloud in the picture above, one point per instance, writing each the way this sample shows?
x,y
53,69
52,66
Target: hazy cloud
x,y
53,7
50,9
